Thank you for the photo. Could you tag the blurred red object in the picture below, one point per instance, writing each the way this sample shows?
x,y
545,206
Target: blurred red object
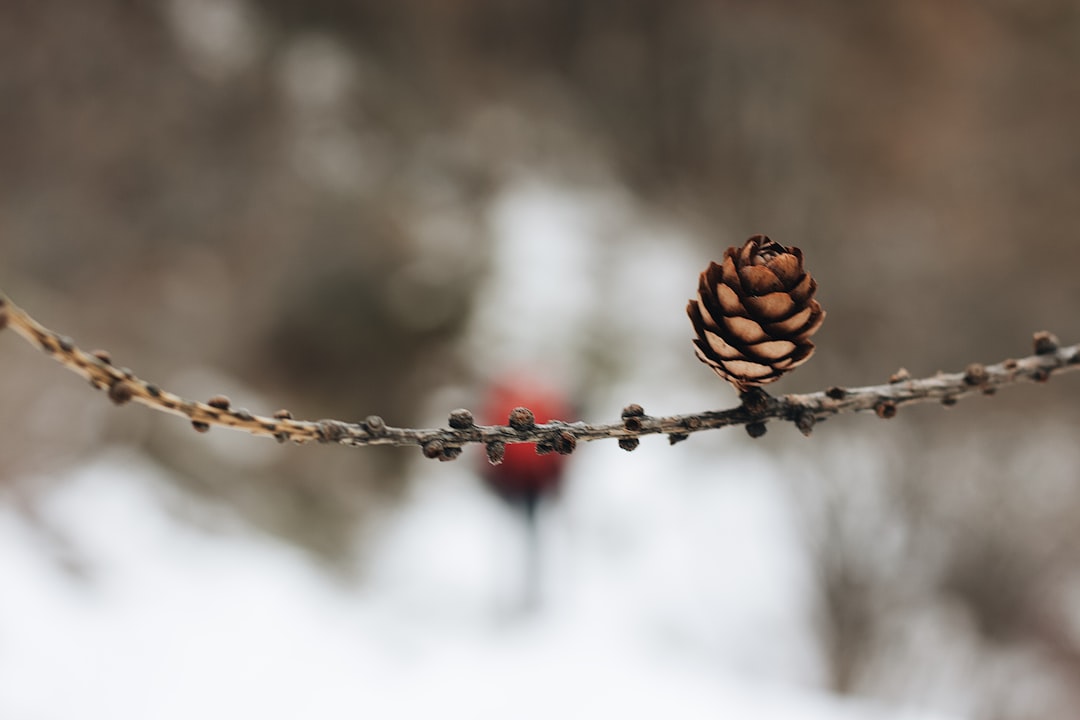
x,y
524,477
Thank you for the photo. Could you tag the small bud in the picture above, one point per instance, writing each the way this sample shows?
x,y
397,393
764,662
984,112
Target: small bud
x,y
242,414
805,421
450,452
975,374
886,409
103,356
219,401
521,419
120,392
836,393
461,419
375,425
899,376
200,427
949,400
496,450
332,431
1040,375
1046,343
674,438
66,344
433,448
564,443
629,444
3,319
755,429
633,410
283,415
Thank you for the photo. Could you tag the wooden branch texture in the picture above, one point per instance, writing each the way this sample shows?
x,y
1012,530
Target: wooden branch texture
x,y
122,386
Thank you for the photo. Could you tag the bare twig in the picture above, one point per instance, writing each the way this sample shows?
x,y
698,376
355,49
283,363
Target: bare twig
x,y
445,443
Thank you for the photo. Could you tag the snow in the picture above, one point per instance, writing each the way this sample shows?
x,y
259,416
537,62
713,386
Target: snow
x,y
171,620
672,581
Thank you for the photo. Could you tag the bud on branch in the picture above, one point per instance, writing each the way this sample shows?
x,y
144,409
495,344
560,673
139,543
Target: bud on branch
x,y
803,411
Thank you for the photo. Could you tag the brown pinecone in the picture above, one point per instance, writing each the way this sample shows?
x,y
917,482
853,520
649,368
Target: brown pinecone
x,y
755,313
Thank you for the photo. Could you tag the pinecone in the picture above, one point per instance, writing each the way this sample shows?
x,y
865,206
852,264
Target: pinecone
x,y
755,313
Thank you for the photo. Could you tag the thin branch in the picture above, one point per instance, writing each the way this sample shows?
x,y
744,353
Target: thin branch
x,y
122,386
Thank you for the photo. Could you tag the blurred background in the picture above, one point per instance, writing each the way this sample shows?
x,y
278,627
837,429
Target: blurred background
x,y
354,207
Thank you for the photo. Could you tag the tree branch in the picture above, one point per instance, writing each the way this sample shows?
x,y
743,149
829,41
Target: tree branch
x,y
122,386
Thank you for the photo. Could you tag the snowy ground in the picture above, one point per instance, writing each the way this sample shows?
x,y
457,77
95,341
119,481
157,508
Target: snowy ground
x,y
167,609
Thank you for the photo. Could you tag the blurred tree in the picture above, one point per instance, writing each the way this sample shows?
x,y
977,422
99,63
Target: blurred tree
x,y
296,193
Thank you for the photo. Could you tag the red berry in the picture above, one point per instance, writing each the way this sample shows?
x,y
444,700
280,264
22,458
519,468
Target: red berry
x,y
524,473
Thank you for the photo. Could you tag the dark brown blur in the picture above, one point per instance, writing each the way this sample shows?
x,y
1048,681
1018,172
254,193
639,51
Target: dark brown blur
x,y
289,198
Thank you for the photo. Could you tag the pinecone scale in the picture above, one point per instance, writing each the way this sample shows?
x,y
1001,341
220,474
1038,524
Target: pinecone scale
x,y
755,313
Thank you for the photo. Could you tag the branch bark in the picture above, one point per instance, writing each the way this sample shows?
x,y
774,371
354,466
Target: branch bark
x,y
122,386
